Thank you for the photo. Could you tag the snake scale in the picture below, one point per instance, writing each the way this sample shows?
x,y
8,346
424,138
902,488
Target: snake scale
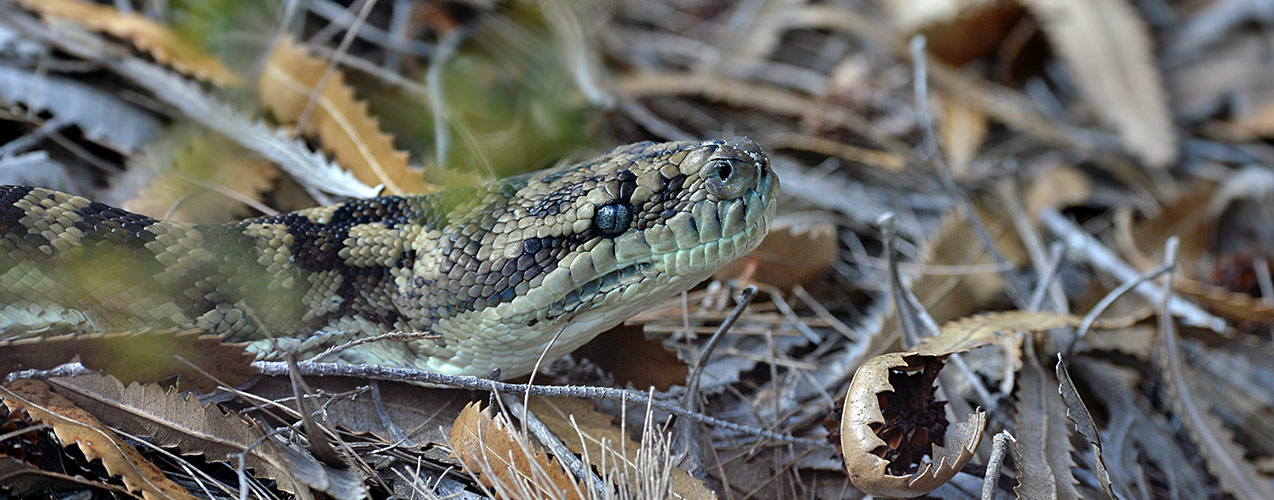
x,y
502,272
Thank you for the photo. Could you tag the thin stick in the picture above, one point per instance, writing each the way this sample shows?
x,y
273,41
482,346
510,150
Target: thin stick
x,y
993,465
545,436
1084,246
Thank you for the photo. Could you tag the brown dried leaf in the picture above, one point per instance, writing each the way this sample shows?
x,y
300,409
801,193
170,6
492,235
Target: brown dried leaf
x,y
180,420
963,129
984,329
338,118
149,36
206,182
795,252
1058,188
632,358
563,416
1108,48
1043,443
73,425
505,461
27,481
149,356
864,450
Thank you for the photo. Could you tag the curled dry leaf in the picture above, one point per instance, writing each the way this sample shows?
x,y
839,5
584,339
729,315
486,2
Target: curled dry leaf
x,y
892,420
505,461
1109,50
73,425
287,85
152,37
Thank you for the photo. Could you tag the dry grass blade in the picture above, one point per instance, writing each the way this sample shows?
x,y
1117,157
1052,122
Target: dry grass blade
x,y
292,77
1109,49
152,37
1043,445
505,461
590,433
177,420
72,425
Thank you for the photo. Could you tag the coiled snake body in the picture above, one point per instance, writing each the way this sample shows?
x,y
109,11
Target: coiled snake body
x,y
497,271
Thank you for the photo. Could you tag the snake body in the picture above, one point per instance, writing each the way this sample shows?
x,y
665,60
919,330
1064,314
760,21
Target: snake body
x,y
502,272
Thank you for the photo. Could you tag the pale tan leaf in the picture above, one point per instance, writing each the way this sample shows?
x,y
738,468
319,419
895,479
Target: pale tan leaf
x,y
863,422
985,329
208,181
506,461
150,36
1108,49
1043,444
74,426
337,118
179,420
963,128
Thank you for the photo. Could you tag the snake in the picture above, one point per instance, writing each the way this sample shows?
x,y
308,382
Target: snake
x,y
500,274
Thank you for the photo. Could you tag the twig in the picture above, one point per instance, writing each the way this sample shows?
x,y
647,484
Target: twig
x,y
1057,254
391,336
1083,246
1109,299
920,87
332,65
993,465
692,383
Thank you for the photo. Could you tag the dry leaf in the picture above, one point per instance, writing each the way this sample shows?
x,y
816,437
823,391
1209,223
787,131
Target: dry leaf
x,y
963,129
574,419
73,425
628,355
1043,442
1077,412
959,31
150,356
1059,187
206,182
1107,47
150,36
891,420
985,329
505,461
340,120
182,421
795,252
948,296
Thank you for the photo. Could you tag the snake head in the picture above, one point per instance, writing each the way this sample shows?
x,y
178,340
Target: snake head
x,y
574,250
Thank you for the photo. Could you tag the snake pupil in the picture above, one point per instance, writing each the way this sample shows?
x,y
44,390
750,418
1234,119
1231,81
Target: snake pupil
x,y
723,170
613,219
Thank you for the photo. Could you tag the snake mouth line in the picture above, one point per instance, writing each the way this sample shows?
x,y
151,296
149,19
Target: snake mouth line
x,y
615,278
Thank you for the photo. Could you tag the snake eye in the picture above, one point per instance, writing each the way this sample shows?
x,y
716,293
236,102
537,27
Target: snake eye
x,y
612,219
729,178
